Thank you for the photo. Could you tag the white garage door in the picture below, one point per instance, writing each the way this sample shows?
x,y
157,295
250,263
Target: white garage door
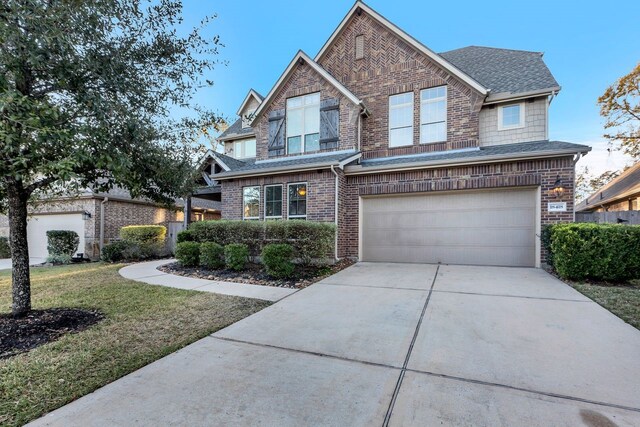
x,y
472,227
38,226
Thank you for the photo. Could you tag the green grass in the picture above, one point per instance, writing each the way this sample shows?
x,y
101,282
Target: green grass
x,y
142,323
621,300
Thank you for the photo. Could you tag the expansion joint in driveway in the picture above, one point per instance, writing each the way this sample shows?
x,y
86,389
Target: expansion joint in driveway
x,y
406,360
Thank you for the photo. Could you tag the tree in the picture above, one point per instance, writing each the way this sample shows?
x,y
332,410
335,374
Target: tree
x,y
87,90
587,183
620,104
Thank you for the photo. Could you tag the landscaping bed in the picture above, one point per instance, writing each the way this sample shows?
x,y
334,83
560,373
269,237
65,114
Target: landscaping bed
x,y
255,274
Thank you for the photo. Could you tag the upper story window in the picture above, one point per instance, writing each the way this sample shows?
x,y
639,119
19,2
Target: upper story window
x,y
511,116
273,201
433,114
303,123
297,196
244,149
401,119
251,202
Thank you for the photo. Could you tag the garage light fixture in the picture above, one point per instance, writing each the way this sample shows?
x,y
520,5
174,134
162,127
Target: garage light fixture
x,y
302,191
86,215
558,188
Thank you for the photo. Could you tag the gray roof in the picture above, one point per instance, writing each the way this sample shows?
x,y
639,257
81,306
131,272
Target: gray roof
x,y
232,162
503,70
479,153
235,129
627,184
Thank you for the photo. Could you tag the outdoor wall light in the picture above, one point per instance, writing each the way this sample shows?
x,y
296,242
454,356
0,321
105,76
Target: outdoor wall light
x,y
302,191
558,188
86,215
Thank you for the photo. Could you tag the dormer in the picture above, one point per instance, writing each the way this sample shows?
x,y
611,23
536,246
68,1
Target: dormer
x,y
248,107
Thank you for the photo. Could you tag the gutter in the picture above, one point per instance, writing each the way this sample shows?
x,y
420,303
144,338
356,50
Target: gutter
x,y
101,242
509,96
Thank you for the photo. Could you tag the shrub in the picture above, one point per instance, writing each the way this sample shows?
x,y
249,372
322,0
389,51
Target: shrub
x,y
545,241
211,255
224,232
62,242
5,249
277,258
149,238
608,252
121,250
59,259
185,236
236,256
188,254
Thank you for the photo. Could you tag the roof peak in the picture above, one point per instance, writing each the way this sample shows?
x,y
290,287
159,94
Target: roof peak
x,y
492,48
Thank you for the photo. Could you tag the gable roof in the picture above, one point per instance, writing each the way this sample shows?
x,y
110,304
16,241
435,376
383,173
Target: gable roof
x,y
252,94
438,59
301,56
627,184
226,162
504,71
235,131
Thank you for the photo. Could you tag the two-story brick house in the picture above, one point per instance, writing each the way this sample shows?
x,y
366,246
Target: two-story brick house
x,y
416,156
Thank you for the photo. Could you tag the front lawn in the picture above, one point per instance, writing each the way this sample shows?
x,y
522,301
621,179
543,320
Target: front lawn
x,y
623,300
142,323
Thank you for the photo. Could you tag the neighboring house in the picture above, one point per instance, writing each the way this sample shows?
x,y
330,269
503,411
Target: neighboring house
x,y
82,213
621,194
416,156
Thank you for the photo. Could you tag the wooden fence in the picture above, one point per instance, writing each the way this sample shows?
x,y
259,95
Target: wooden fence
x,y
173,228
618,217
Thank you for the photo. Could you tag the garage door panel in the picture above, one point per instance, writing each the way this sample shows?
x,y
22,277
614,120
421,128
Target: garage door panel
x,y
481,227
38,225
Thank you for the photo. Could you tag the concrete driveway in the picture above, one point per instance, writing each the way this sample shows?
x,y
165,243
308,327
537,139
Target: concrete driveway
x,y
395,344
5,263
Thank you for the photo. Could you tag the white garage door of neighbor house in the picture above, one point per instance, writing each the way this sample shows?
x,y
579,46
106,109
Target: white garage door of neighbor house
x,y
470,227
38,225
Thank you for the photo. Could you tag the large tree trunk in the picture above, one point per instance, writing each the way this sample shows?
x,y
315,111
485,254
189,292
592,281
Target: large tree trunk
x,y
21,280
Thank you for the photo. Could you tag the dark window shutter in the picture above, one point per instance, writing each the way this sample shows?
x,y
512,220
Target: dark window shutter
x,y
329,123
276,133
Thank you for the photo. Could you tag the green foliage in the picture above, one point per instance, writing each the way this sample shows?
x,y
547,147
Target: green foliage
x,y
277,258
236,256
188,254
545,241
211,255
310,240
149,238
185,236
62,242
59,259
5,249
608,252
121,250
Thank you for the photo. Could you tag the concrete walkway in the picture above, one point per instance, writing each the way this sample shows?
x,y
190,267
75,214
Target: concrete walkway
x,y
391,344
148,272
5,263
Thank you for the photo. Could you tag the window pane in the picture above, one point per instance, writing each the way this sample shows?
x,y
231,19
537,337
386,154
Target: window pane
x,y
434,132
312,142
311,99
294,122
312,119
251,201
433,93
511,115
294,102
250,148
294,145
402,98
297,200
401,136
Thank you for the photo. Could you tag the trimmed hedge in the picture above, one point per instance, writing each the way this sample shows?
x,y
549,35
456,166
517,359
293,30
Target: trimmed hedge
x,y
236,256
277,258
211,255
5,249
608,252
62,242
188,254
310,240
121,250
150,239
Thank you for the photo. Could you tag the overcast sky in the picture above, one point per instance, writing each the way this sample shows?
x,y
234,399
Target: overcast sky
x,y
586,44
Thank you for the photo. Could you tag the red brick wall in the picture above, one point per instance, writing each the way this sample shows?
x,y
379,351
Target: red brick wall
x,y
391,66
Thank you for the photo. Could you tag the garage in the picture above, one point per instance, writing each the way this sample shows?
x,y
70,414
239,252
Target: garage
x,y
38,225
496,227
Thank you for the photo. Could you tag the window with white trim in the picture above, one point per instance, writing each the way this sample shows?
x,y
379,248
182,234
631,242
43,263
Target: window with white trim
x,y
244,149
401,119
433,114
273,201
511,116
251,202
297,200
303,123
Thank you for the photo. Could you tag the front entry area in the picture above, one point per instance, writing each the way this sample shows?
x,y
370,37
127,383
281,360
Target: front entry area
x,y
481,227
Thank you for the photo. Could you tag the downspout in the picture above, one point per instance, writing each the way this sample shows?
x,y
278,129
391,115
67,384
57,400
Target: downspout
x,y
359,130
101,242
335,213
575,160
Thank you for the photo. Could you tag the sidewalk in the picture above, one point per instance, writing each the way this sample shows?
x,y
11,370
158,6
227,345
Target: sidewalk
x,y
148,272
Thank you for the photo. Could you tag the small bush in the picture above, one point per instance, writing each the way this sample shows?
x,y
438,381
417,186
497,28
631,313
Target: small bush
x,y
185,236
236,256
608,252
62,242
149,238
5,249
188,254
545,241
121,250
211,255
59,259
277,258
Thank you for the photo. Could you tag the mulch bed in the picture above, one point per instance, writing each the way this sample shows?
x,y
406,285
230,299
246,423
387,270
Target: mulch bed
x,y
255,274
38,327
